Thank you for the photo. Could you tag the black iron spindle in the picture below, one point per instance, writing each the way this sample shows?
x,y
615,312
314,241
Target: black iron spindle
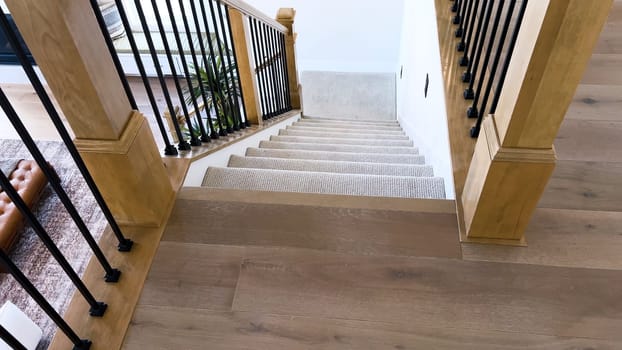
x,y
230,71
10,340
276,70
223,62
467,39
112,275
220,93
205,137
493,72
210,82
246,122
182,145
508,58
194,141
472,112
470,74
269,70
461,19
125,244
260,81
22,280
169,149
97,308
456,8
286,70
113,54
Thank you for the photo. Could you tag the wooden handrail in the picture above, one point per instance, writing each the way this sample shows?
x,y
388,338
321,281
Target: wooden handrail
x,y
250,11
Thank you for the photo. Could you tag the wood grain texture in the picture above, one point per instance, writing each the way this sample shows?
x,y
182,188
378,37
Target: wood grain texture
x,y
166,328
589,140
443,292
604,70
596,102
193,276
351,230
584,186
108,332
560,237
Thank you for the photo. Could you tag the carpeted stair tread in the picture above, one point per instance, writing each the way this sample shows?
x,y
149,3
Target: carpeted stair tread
x,y
371,131
331,166
336,156
347,126
328,183
353,121
338,147
291,132
316,140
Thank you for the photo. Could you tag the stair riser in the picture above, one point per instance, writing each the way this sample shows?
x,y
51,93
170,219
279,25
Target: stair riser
x,y
337,148
347,126
347,131
336,156
331,166
316,140
313,182
350,121
290,132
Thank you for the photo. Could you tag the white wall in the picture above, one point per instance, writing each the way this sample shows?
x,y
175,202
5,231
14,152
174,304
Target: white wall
x,y
344,35
424,119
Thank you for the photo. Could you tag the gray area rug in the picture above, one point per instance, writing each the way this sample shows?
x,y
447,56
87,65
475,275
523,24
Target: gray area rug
x,y
30,254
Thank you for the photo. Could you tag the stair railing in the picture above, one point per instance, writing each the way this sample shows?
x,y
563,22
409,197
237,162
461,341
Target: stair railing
x,y
550,44
484,30
221,67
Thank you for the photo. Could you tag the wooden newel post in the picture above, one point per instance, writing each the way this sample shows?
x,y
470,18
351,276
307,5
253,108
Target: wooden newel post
x,y
286,16
115,141
514,156
240,30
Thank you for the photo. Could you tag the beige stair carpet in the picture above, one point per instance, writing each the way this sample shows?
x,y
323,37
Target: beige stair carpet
x,y
331,166
339,156
317,182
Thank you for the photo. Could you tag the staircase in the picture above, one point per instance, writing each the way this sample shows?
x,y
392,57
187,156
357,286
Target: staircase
x,y
333,156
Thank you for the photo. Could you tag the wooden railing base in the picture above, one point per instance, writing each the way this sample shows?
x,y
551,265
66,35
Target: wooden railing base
x,y
503,187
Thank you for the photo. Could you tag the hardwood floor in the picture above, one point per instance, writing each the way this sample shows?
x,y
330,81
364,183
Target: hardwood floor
x,y
255,275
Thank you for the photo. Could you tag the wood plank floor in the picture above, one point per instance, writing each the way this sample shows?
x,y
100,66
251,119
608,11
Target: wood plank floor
x,y
226,283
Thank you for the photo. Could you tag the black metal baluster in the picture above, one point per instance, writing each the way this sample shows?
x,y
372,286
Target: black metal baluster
x,y
470,75
204,136
277,71
246,122
269,56
472,112
10,340
508,58
194,141
288,99
461,18
169,149
220,94
455,6
8,265
125,244
262,69
112,275
230,71
97,308
183,145
265,69
113,54
208,112
495,65
260,81
466,42
223,62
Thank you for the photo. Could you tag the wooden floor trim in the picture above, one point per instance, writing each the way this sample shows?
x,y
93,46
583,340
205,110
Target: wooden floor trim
x,y
320,200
